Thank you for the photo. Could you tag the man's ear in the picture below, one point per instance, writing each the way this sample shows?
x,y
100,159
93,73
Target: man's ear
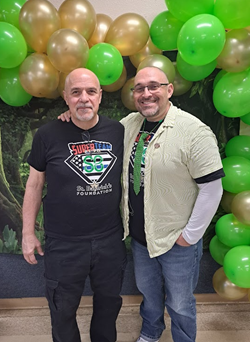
x,y
65,97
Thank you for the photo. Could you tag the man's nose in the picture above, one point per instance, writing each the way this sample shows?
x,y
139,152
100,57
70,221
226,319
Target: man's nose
x,y
84,96
146,92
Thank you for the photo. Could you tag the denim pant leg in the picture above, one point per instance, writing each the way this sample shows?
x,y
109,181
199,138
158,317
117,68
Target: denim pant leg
x,y
180,267
149,280
67,265
106,275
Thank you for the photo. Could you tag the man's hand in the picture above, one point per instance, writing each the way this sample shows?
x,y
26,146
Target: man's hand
x,y
30,243
182,242
65,116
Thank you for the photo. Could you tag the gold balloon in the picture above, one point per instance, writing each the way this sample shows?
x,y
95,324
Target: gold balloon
x,y
37,21
241,207
225,288
61,85
103,23
147,50
235,56
38,76
226,201
78,15
181,85
117,84
67,50
161,62
127,95
128,33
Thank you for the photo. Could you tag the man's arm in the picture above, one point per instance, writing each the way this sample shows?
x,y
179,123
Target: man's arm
x,y
65,116
31,205
205,207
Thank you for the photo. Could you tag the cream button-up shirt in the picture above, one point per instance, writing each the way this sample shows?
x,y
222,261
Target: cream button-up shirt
x,y
182,149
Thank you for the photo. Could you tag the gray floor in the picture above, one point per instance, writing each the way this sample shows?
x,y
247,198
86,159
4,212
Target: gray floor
x,y
202,336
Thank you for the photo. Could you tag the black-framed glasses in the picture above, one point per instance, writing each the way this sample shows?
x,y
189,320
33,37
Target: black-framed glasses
x,y
85,136
153,87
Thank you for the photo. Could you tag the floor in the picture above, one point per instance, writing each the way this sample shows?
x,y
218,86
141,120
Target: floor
x,y
202,336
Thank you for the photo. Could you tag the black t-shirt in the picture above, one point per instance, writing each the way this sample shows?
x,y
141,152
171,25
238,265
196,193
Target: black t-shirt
x,y
83,175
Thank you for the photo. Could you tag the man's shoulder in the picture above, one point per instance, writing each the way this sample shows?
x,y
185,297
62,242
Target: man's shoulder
x,y
134,116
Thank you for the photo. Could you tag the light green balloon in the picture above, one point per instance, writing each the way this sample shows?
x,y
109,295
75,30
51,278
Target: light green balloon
x,y
184,10
220,74
13,47
106,62
9,11
231,94
234,14
194,72
246,118
236,266
201,39
237,174
164,31
231,232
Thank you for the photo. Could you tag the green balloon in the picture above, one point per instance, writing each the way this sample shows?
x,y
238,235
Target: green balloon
x,y
231,94
106,62
237,266
184,10
246,118
11,91
9,11
238,146
233,14
13,48
231,232
237,174
194,72
164,31
201,39
218,250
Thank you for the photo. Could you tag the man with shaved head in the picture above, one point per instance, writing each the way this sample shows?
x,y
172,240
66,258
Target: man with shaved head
x,y
81,163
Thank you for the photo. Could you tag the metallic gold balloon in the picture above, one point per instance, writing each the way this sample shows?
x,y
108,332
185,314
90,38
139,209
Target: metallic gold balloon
x,y
103,23
127,95
117,84
181,86
78,15
225,288
241,207
235,56
67,50
37,21
161,62
226,201
129,33
147,50
38,76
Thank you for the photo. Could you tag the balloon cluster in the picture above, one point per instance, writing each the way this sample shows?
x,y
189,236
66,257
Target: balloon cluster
x,y
40,45
230,247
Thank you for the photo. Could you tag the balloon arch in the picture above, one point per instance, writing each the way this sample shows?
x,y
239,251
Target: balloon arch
x,y
192,41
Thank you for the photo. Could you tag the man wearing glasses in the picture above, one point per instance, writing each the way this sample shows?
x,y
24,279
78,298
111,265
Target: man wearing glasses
x,y
82,163
171,190
172,187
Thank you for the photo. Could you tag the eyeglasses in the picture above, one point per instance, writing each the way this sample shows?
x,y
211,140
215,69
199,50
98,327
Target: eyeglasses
x,y
151,87
85,136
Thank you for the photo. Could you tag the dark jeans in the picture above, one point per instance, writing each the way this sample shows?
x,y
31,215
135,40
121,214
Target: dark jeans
x,y
67,265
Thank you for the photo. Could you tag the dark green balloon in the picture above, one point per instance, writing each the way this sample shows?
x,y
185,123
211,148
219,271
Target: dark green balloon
x,y
238,146
237,171
237,266
218,250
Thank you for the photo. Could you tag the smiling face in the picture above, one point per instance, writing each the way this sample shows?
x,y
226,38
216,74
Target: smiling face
x,y
83,95
152,105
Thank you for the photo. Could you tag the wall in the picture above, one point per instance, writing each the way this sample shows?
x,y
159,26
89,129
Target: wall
x,y
114,8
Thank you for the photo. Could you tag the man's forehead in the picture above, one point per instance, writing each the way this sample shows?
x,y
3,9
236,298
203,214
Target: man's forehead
x,y
150,75
83,81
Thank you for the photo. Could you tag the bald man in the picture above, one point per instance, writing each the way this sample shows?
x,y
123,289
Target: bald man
x,y
81,163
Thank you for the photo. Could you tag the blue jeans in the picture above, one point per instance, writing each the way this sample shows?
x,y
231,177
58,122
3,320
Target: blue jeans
x,y
169,279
